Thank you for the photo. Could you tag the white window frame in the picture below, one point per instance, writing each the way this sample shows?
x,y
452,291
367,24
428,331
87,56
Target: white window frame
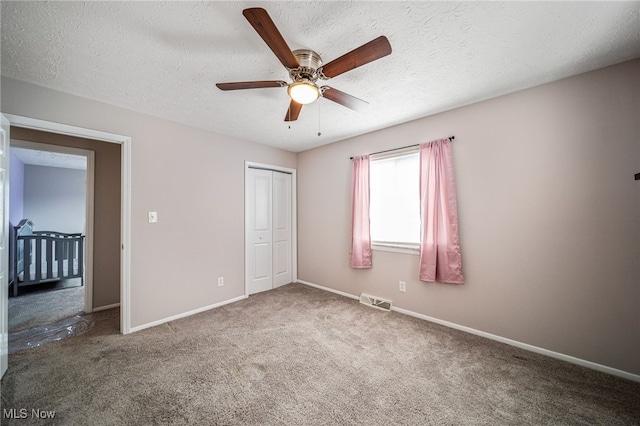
x,y
391,246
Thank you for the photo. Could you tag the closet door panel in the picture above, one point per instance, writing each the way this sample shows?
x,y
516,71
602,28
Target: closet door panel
x,y
259,231
281,229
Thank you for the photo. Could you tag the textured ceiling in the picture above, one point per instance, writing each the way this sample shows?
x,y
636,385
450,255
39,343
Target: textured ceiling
x,y
50,159
164,58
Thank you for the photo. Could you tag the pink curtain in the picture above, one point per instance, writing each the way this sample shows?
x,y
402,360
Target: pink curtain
x,y
360,230
440,258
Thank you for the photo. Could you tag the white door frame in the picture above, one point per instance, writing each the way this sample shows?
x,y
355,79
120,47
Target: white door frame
x,y
294,216
4,229
90,155
125,193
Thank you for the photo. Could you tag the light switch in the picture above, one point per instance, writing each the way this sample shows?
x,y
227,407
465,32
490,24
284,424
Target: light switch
x,y
153,217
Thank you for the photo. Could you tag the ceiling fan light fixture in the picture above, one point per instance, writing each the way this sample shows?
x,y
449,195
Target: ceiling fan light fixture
x,y
303,92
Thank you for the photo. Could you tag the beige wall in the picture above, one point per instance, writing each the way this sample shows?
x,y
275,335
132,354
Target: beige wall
x,y
549,218
106,229
193,178
549,212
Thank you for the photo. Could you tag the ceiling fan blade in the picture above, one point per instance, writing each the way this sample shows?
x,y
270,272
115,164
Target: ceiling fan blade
x,y
262,23
344,99
251,85
293,112
362,55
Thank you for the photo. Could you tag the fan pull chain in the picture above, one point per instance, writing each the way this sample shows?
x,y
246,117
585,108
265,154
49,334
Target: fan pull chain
x,y
319,133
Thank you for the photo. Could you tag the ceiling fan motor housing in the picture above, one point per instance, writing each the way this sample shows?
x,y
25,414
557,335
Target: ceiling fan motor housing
x,y
309,62
308,58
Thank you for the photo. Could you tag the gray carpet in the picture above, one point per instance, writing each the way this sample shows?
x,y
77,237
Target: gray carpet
x,y
301,356
47,303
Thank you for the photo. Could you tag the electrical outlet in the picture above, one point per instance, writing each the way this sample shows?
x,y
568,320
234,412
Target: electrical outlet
x,y
220,281
402,286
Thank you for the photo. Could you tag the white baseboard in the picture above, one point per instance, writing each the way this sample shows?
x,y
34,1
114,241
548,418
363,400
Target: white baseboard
x,y
341,293
186,314
105,307
536,349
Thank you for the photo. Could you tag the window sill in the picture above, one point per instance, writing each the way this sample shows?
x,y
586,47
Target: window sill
x,y
413,249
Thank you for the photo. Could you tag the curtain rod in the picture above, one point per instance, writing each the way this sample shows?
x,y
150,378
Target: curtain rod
x,y
451,138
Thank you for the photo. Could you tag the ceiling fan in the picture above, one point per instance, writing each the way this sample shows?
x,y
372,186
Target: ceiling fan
x,y
306,68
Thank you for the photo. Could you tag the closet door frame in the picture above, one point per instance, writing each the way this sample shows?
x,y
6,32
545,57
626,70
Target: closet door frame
x,y
294,236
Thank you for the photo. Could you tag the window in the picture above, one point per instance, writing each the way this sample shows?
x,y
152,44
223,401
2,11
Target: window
x,y
395,201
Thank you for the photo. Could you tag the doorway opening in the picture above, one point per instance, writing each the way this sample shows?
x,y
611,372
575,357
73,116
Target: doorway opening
x,y
51,189
122,192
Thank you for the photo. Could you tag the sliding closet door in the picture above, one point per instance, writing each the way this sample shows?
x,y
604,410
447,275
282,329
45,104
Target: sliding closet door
x,y
268,230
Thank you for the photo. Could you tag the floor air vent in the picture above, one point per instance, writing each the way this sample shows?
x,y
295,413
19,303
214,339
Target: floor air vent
x,y
375,302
